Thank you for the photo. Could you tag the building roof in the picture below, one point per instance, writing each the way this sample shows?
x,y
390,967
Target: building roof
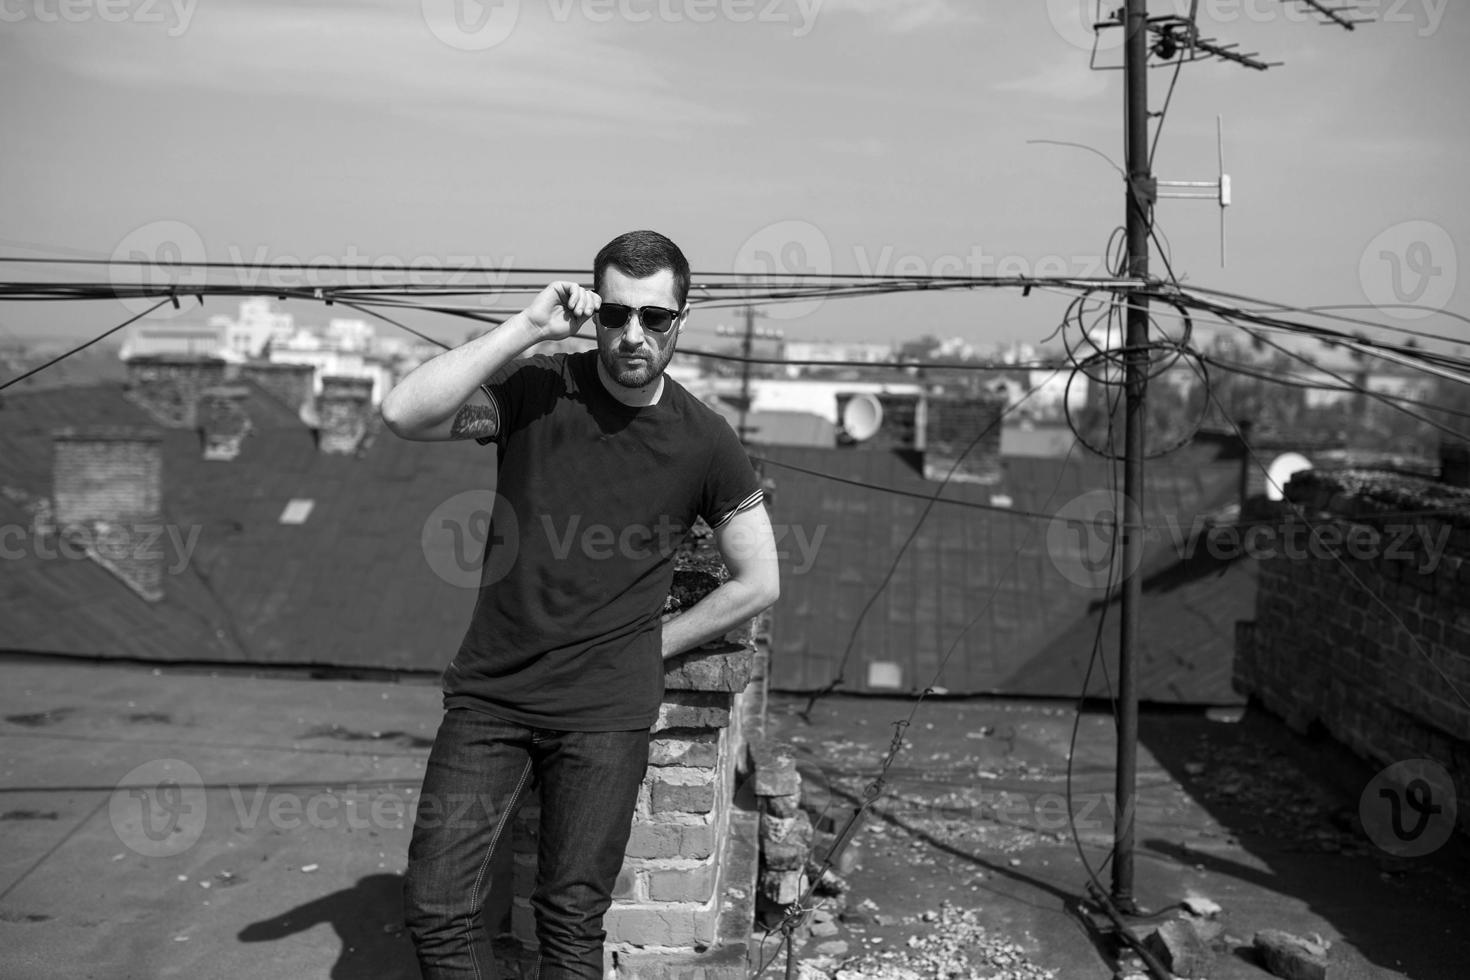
x,y
369,578
1186,638
95,365
982,582
350,586
1047,439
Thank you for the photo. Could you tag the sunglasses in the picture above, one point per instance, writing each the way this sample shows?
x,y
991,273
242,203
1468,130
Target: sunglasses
x,y
614,316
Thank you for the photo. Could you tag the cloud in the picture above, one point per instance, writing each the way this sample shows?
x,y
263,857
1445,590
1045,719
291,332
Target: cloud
x,y
904,16
383,54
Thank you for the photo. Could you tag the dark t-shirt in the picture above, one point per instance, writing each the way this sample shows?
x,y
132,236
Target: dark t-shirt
x,y
593,499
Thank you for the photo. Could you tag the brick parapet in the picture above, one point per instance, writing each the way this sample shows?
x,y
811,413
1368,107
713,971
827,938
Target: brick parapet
x,y
1366,632
670,897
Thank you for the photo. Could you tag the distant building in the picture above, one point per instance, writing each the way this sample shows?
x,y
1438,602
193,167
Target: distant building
x,y
812,396
1051,391
257,327
346,347
170,339
328,359
1392,383
847,352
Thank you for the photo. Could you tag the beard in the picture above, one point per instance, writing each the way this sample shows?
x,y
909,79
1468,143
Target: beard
x,y
635,374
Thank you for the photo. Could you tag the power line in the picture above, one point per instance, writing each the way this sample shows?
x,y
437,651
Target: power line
x,y
81,347
1251,371
1363,391
917,365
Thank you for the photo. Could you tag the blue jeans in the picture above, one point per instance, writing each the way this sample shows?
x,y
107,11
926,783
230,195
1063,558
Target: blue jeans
x,y
478,773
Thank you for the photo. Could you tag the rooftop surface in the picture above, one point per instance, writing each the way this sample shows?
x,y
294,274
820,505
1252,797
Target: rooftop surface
x,y
168,823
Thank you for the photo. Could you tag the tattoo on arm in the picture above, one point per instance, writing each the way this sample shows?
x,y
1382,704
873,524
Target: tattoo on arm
x,y
475,422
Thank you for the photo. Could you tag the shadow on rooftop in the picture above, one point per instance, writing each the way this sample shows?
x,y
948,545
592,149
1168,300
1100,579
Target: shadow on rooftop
x,y
1292,803
368,920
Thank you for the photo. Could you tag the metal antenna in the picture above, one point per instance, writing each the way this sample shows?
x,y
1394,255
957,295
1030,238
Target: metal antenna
x,y
1177,39
1221,187
1344,16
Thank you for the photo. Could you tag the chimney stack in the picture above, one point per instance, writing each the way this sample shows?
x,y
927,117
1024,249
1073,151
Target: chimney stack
x,y
223,421
291,384
107,494
952,425
901,425
168,386
343,409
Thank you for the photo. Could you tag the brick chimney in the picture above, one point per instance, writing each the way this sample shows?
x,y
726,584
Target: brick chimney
x,y
107,499
168,386
344,408
223,421
952,423
902,425
291,384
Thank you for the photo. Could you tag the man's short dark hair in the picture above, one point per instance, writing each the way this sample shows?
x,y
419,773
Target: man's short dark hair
x,y
641,254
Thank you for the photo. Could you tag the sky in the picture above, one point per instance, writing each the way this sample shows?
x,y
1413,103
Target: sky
x,y
890,136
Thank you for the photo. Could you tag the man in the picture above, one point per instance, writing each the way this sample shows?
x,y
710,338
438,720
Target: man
x,y
604,464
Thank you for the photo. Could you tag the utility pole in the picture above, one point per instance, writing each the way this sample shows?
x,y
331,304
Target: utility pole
x,y
1140,197
1175,39
749,334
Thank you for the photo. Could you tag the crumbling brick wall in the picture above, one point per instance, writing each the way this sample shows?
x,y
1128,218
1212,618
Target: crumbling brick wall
x,y
1363,619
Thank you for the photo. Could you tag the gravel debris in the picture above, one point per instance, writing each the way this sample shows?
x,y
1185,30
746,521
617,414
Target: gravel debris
x,y
955,947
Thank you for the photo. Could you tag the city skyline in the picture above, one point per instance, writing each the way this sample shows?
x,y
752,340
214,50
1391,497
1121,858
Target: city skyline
x,y
846,136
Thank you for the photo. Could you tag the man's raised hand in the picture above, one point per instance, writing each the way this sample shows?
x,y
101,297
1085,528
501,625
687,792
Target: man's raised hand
x,y
559,310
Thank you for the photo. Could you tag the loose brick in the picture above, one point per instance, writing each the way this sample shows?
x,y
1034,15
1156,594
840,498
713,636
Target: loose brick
x,y
765,751
1180,949
701,750
783,887
725,962
783,806
718,666
1290,956
693,709
774,763
666,925
678,798
784,856
683,885
780,830
667,840
782,781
